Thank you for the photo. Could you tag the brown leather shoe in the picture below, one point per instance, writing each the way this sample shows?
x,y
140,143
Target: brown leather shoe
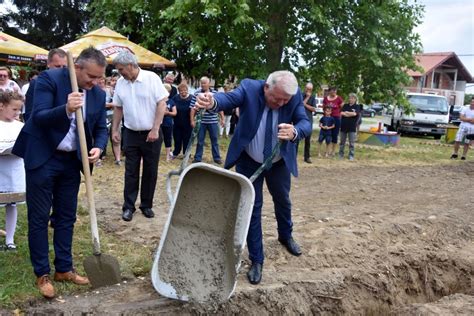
x,y
70,276
44,286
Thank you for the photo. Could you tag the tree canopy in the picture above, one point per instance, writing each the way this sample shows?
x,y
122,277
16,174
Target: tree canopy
x,y
361,46
48,24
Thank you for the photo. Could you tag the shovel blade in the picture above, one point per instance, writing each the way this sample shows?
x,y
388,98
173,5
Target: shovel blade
x,y
102,270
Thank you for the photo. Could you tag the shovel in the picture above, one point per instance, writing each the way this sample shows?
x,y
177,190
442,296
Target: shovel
x,y
101,269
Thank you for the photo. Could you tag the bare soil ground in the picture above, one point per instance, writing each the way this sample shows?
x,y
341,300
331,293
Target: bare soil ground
x,y
377,239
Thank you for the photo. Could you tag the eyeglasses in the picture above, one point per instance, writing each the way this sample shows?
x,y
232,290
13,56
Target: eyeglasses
x,y
3,76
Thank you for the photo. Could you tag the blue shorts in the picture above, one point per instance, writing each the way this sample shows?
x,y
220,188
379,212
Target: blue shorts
x,y
325,135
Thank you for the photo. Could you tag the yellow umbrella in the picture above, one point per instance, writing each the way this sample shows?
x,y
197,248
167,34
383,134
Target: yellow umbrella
x,y
15,50
110,43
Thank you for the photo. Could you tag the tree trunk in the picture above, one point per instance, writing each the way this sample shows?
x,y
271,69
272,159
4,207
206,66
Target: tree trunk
x,y
277,32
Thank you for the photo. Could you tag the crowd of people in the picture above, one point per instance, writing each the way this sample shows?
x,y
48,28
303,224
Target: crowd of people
x,y
138,111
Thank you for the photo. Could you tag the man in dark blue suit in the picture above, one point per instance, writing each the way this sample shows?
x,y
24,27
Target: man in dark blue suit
x,y
270,112
49,145
56,59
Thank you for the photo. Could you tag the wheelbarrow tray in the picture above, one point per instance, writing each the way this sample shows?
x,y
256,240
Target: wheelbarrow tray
x,y
200,249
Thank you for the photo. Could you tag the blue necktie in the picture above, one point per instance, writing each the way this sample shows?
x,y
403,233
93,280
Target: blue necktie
x,y
267,146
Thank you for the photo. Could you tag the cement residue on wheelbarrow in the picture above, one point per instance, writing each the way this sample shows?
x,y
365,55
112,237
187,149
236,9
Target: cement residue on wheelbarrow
x,y
199,255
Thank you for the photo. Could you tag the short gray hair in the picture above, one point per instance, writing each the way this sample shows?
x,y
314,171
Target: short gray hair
x,y
354,95
283,79
125,57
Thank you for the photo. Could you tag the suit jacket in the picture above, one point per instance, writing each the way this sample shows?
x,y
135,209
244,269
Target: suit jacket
x,y
250,99
49,123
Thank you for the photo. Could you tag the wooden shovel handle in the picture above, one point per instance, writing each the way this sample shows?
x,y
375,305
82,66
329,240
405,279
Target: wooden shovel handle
x,y
85,160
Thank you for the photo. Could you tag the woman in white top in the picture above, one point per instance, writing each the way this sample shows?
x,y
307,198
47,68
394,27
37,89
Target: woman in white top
x,y
12,171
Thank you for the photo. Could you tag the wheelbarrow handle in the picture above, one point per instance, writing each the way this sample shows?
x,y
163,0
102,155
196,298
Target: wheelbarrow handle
x,y
266,163
169,191
187,154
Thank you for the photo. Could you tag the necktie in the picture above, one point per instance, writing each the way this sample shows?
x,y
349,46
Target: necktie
x,y
267,146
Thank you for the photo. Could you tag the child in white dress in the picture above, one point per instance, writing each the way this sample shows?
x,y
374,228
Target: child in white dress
x,y
12,171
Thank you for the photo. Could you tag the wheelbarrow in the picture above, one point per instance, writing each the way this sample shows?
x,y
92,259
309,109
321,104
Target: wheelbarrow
x,y
199,253
200,250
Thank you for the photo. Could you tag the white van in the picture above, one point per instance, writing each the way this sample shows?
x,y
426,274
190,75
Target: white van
x,y
430,117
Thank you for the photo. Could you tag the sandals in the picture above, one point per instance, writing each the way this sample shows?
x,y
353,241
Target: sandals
x,y
9,247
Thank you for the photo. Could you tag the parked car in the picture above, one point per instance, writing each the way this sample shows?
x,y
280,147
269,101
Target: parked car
x,y
378,108
454,114
367,111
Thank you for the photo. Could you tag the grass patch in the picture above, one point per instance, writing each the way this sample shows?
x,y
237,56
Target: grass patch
x,y
411,150
16,273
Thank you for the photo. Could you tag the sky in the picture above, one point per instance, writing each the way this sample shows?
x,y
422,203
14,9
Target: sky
x,y
448,26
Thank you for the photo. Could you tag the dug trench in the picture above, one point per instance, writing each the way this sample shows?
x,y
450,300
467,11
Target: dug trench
x,y
376,239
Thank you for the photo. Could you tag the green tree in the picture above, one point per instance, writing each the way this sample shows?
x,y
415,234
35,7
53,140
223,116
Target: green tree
x,y
359,45
49,24
468,97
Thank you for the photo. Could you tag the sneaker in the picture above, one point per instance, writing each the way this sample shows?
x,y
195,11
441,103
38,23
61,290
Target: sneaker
x,y
98,163
454,156
218,161
351,158
118,162
172,156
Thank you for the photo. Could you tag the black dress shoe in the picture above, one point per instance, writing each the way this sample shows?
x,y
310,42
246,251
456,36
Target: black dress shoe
x,y
219,162
255,273
291,246
127,215
148,212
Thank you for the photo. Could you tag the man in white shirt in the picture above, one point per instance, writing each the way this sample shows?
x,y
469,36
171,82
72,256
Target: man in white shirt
x,y
140,98
465,128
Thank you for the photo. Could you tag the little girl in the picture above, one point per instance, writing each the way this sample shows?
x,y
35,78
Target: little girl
x,y
12,171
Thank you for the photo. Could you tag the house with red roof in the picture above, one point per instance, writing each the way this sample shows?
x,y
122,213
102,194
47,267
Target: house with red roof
x,y
441,73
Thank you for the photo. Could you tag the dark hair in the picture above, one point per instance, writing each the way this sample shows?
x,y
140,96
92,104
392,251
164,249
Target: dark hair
x,y
7,96
327,107
332,88
91,54
56,51
32,74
